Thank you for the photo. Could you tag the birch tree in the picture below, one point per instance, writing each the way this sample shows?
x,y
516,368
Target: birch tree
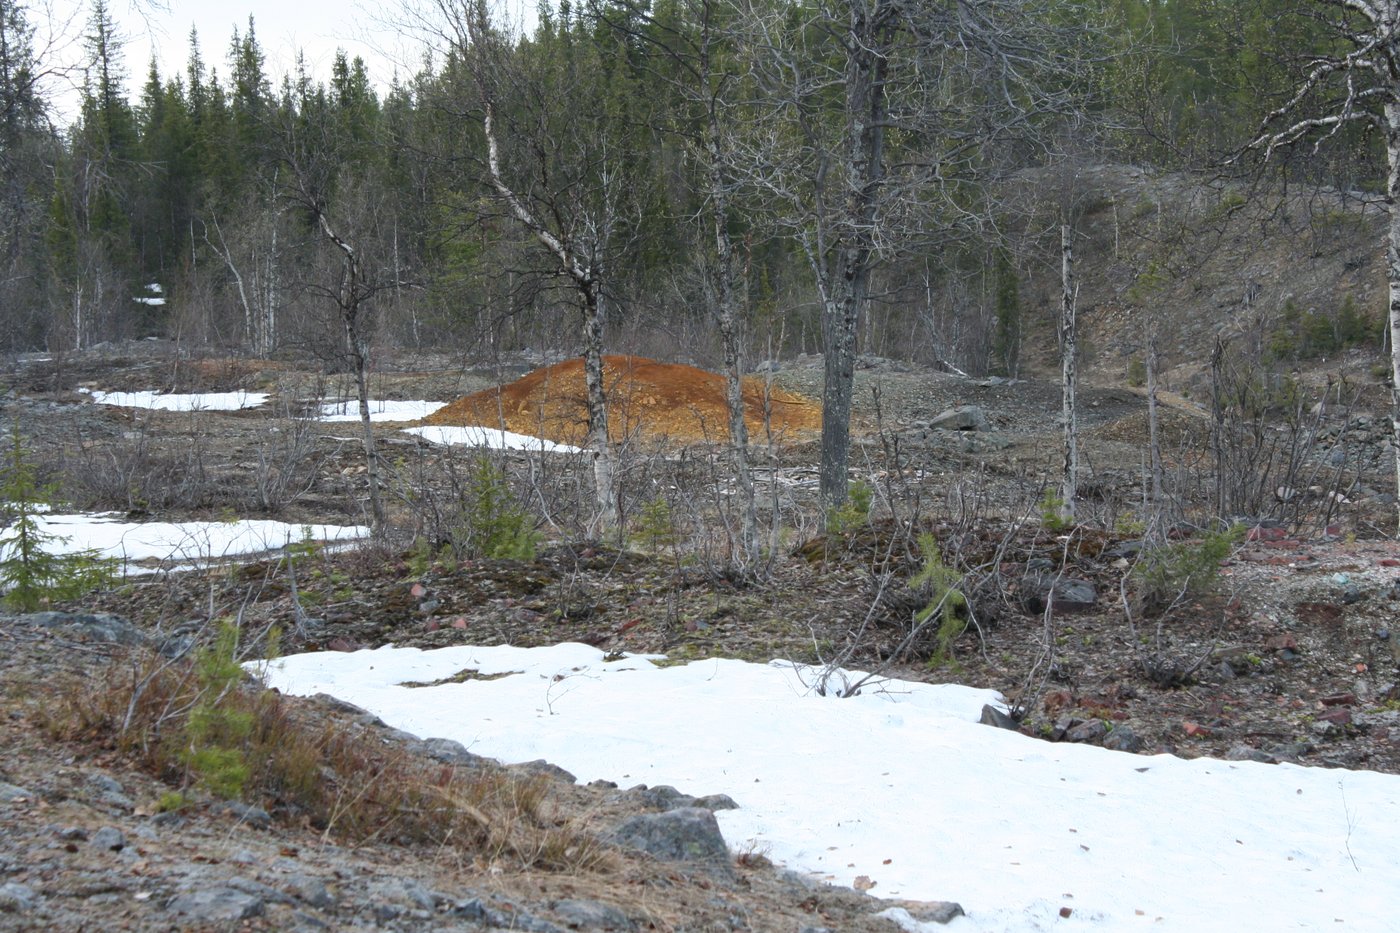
x,y
693,39
557,169
1353,81
879,120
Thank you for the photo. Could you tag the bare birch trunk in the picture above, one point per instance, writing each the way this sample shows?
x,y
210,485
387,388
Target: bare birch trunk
x,y
604,468
1154,443
731,337
586,280
1069,486
1392,268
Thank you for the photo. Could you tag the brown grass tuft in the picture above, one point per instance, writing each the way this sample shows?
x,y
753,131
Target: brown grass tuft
x,y
337,776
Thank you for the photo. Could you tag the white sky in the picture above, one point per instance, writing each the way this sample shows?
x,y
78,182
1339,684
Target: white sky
x,y
283,27
903,786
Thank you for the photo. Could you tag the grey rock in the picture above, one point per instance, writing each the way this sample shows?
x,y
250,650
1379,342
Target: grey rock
x,y
991,716
405,890
1351,594
591,915
216,905
716,802
1123,549
109,839
311,890
111,791
97,626
244,813
1091,730
451,752
545,769
1063,594
1122,738
9,793
260,890
962,418
806,929
1242,752
475,910
339,705
690,834
936,911
16,898
661,797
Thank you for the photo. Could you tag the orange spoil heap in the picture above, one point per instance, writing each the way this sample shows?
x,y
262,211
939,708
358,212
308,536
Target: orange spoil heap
x,y
657,402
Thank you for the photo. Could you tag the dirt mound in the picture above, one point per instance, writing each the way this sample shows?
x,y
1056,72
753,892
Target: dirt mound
x,y
646,399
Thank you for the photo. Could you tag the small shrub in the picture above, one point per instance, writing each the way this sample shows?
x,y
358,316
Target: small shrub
x,y
655,527
217,730
946,601
497,525
1137,372
854,512
31,575
1186,568
1052,512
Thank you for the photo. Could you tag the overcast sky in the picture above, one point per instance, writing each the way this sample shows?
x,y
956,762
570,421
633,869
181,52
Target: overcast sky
x,y
316,28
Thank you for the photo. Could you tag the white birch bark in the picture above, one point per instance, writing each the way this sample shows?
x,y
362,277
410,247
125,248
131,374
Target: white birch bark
x,y
1069,481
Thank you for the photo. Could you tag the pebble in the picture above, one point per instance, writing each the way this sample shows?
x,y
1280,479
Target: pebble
x,y
16,897
10,793
217,905
109,839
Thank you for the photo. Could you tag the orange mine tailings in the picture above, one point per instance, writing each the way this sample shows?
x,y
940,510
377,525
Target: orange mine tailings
x,y
646,399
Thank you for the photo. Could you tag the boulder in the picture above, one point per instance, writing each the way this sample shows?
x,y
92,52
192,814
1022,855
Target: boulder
x,y
962,418
690,834
1062,594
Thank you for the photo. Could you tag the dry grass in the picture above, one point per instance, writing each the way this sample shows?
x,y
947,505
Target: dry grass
x,y
335,775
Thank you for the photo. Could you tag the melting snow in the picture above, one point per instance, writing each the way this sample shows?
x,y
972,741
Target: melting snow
x,y
204,401
903,786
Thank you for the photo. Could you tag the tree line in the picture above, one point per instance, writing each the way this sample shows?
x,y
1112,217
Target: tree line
x,y
682,178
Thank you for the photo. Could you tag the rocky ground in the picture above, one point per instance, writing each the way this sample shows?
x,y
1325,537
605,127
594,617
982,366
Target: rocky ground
x,y
1288,656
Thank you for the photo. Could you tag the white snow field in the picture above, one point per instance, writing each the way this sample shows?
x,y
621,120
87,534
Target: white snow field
x,y
201,401
179,545
379,410
903,786
493,438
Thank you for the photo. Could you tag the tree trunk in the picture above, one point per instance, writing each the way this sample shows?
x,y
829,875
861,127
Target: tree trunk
x,y
732,340
838,386
847,272
1069,487
604,467
1392,268
1154,443
360,358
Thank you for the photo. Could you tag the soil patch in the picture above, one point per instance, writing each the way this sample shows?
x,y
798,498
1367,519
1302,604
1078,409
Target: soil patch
x,y
647,399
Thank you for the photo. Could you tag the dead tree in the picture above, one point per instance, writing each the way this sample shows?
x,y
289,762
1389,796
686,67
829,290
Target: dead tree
x,y
1353,80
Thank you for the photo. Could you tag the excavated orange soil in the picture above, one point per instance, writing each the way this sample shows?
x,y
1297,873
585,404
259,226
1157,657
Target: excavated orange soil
x,y
646,399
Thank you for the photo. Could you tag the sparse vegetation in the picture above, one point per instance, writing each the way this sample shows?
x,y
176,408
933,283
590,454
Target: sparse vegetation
x,y
33,572
201,719
1166,574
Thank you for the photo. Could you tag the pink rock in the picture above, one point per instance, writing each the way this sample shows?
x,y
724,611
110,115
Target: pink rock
x,y
418,591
